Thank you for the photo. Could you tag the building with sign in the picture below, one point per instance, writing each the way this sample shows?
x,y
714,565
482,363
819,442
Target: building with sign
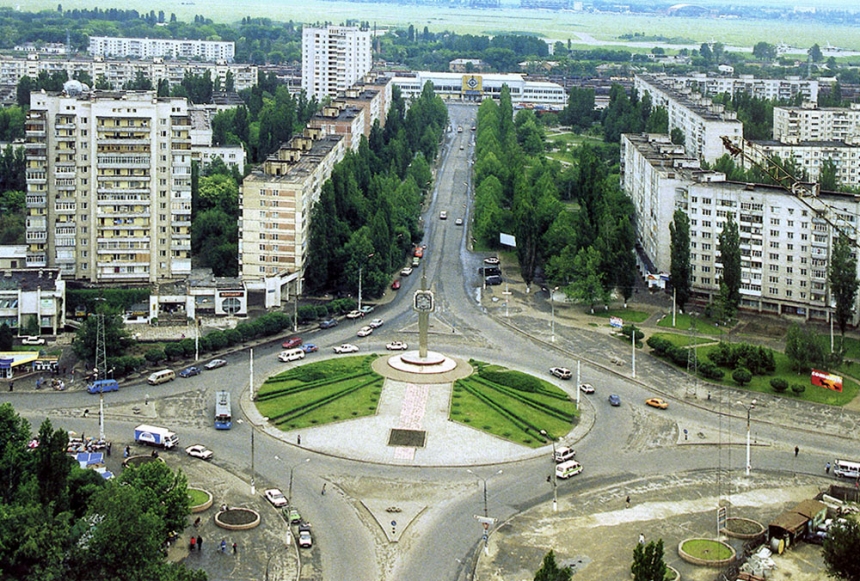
x,y
525,93
38,294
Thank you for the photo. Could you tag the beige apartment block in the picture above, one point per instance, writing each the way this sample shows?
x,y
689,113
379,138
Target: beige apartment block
x,y
810,122
109,186
785,239
334,58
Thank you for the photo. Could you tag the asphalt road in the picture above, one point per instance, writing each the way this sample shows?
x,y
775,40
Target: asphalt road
x,y
625,443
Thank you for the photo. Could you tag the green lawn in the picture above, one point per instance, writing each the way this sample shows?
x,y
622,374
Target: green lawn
x,y
682,340
707,549
683,322
626,315
196,497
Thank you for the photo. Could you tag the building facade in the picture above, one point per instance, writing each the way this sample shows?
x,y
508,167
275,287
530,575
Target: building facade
x,y
334,58
145,48
773,89
810,122
785,242
109,186
702,122
477,87
811,157
32,294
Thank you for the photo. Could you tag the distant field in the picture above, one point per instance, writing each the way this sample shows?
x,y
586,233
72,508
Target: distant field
x,y
550,25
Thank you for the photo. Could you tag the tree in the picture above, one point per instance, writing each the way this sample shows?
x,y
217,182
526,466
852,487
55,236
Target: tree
x,y
803,348
730,256
842,276
117,338
677,136
6,337
840,550
588,280
648,562
764,51
679,269
815,53
828,176
550,571
741,376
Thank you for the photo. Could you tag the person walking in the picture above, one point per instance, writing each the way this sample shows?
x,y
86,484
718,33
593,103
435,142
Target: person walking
x,y
827,468
796,451
641,539
628,502
235,547
11,385
199,543
191,544
223,546
299,439
323,489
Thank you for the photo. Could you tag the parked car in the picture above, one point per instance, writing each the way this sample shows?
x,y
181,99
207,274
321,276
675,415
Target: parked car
x,y
416,262
657,402
491,260
292,343
346,348
561,372
294,516
32,340
396,284
276,497
614,400
406,271
328,324
215,364
190,371
354,315
306,541
366,309
418,252
458,222
493,280
375,323
199,451
586,388
397,346
443,215
365,331
310,348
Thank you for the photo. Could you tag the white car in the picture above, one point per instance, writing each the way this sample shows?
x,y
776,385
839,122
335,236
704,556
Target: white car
x,y
276,497
458,222
306,541
199,451
406,271
346,348
354,315
32,340
215,364
365,331
586,388
397,346
561,372
375,323
443,215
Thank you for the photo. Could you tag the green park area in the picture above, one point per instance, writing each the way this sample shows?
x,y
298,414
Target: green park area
x,y
509,404
512,405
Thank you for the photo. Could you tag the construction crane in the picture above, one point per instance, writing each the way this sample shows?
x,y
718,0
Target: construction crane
x,y
806,192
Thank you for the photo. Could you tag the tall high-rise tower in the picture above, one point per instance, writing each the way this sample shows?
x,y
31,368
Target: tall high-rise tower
x,y
334,58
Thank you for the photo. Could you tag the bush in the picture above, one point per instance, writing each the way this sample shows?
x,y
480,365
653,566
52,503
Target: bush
x,y
233,336
155,355
658,345
711,371
742,376
513,379
627,330
173,350
778,384
217,340
798,388
307,313
677,355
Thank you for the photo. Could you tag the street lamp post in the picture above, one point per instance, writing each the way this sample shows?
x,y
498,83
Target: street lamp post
x,y
749,409
290,488
360,268
484,480
552,313
554,476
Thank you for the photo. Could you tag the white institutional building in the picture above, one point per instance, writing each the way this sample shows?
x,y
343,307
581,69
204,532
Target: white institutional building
x,y
334,58
785,245
145,48
525,93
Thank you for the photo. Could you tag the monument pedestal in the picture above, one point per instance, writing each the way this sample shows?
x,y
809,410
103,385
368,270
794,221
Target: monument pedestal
x,y
412,362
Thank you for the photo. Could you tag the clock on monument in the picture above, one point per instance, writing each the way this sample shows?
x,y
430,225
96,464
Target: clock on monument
x,y
423,301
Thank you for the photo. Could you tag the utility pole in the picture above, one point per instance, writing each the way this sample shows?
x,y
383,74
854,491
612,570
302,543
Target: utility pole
x,y
101,367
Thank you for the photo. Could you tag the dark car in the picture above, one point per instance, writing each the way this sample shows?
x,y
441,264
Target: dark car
x,y
328,324
292,343
189,372
614,400
490,271
493,280
310,348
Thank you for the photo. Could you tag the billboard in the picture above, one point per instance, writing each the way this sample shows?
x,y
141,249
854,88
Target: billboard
x,y
472,85
826,380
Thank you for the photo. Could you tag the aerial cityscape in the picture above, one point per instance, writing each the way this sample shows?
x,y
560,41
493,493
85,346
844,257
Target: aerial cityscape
x,y
469,290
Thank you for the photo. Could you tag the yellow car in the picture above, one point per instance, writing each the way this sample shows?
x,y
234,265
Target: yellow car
x,y
656,402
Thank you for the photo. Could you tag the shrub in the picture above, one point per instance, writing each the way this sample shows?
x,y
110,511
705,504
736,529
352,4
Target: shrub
x,y
742,376
155,355
778,384
217,340
627,330
711,371
233,336
678,355
513,379
173,349
658,345
798,388
307,313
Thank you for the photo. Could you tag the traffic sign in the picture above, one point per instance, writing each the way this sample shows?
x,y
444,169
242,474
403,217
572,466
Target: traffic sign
x,y
485,520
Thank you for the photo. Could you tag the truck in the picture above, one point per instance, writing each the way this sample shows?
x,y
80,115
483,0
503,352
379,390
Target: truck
x,y
155,436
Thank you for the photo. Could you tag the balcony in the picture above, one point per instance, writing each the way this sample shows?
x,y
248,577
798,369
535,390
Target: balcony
x,y
37,177
36,260
36,237
37,200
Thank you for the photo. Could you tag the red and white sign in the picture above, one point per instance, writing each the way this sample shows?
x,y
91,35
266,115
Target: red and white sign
x,y
826,380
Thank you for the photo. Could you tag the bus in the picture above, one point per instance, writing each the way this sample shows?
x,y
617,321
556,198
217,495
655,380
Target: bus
x,y
223,419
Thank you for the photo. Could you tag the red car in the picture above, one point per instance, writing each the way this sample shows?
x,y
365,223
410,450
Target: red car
x,y
292,343
395,285
418,252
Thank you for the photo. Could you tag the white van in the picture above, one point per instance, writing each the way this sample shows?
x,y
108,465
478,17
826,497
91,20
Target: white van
x,y
292,354
162,376
846,469
564,454
568,469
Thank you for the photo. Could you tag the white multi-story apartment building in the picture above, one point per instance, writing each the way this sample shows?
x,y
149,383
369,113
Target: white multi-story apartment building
x,y
477,87
276,203
334,58
145,48
702,122
779,89
120,72
109,186
810,122
785,242
811,157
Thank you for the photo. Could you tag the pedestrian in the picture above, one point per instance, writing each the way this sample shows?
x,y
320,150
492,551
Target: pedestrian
x,y
709,396
235,547
191,544
223,546
199,543
299,439
108,449
641,539
197,522
11,385
323,489
127,451
628,502
796,451
827,468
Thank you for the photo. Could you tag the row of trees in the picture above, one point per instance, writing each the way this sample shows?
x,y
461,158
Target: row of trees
x,y
367,217
62,522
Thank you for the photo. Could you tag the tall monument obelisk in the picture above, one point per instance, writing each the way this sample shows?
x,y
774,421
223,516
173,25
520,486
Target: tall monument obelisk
x,y
423,303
